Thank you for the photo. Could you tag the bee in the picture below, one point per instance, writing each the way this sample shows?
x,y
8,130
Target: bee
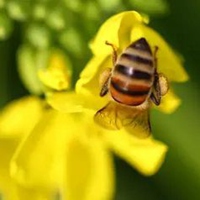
x,y
133,84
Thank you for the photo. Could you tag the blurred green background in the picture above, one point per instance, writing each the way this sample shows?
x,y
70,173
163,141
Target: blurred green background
x,y
69,26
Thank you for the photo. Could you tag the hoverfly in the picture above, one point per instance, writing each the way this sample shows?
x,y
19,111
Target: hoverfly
x,y
133,84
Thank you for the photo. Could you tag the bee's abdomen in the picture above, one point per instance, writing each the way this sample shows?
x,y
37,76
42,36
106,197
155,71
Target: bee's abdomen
x,y
129,92
130,72
133,75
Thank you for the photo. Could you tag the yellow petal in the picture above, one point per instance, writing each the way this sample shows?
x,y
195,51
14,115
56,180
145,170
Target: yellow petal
x,y
20,116
16,120
122,32
38,160
170,102
145,155
9,189
34,194
89,170
109,31
7,185
71,102
89,79
60,154
168,62
129,21
57,75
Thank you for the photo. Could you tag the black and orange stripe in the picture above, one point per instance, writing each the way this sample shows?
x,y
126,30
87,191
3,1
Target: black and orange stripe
x,y
133,74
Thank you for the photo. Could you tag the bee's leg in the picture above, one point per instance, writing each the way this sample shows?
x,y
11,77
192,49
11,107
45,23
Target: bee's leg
x,y
155,57
164,85
160,85
160,88
156,92
105,76
104,81
114,56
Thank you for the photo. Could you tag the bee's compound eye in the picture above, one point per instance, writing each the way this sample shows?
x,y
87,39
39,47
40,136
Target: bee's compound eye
x,y
164,86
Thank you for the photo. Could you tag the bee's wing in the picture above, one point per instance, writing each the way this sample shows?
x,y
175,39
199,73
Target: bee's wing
x,y
107,117
137,123
114,117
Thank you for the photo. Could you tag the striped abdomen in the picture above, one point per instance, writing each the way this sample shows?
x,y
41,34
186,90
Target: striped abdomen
x,y
133,74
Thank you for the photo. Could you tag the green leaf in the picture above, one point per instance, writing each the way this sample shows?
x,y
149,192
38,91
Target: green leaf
x,y
75,6
71,40
29,61
2,3
56,19
91,11
152,7
19,10
112,5
39,35
39,11
6,26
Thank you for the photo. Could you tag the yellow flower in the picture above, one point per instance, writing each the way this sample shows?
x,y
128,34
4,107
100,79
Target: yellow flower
x,y
44,70
57,74
74,151
61,155
67,152
121,30
120,142
16,121
70,154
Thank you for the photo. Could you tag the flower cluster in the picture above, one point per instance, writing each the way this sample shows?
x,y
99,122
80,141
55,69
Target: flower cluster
x,y
53,147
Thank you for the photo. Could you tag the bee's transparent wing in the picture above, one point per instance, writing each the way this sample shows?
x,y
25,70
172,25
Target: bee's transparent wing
x,y
137,123
114,116
107,117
